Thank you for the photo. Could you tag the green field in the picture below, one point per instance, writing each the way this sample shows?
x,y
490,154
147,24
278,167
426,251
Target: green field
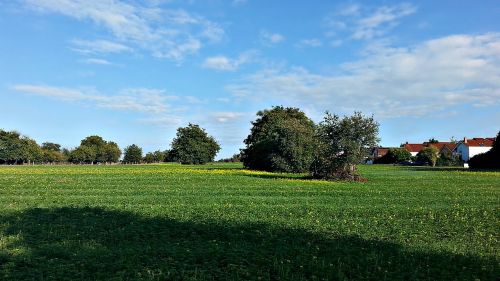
x,y
220,222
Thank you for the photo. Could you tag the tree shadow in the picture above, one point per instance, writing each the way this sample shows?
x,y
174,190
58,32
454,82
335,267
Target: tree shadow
x,y
100,244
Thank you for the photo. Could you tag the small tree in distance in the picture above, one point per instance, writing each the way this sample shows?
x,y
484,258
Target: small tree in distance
x,y
193,145
428,155
342,144
133,154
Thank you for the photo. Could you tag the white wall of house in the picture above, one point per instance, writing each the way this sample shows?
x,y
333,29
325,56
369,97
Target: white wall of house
x,y
467,152
475,150
413,153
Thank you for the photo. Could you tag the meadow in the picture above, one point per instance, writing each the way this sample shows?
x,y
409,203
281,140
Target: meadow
x,y
221,222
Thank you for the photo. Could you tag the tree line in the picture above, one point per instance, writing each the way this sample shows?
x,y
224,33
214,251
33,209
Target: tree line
x,y
192,145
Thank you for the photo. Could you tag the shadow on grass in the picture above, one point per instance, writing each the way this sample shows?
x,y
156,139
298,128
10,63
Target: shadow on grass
x,y
98,244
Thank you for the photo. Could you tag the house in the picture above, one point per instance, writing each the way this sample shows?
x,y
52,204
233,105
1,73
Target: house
x,y
468,148
378,152
413,148
443,147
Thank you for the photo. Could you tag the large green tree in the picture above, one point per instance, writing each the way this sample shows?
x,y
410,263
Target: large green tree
x,y
132,154
281,139
192,145
342,143
18,149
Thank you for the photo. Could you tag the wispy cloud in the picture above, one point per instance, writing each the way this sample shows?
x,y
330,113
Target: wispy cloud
x,y
428,78
171,34
98,46
271,38
224,63
133,99
96,61
313,42
364,23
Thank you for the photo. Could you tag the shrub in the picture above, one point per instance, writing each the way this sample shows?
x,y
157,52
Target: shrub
x,y
342,144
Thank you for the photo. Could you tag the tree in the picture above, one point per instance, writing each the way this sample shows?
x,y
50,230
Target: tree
x,y
112,152
18,149
52,153
394,155
133,154
447,158
281,140
83,155
149,158
342,144
433,140
487,160
428,155
192,145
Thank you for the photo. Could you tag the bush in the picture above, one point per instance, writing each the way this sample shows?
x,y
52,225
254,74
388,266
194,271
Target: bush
x,y
281,140
428,155
393,156
342,144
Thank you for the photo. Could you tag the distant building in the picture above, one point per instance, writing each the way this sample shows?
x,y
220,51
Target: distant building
x,y
413,148
443,147
378,152
468,148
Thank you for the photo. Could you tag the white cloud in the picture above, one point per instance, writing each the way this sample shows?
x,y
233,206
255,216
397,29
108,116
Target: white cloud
x,y
270,38
433,76
171,34
364,23
133,99
239,2
223,117
369,27
223,63
98,46
96,61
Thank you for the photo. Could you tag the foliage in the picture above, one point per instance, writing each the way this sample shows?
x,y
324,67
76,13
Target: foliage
x,y
394,155
221,222
18,149
281,139
94,149
447,158
433,140
342,144
193,145
132,154
487,160
428,155
154,157
236,158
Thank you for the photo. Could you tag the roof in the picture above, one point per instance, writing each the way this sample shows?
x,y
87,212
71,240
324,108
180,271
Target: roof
x,y
441,145
487,142
413,147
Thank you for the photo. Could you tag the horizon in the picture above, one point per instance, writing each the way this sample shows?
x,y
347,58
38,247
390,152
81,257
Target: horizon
x,y
133,72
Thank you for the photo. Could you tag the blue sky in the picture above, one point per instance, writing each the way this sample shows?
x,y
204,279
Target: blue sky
x,y
134,71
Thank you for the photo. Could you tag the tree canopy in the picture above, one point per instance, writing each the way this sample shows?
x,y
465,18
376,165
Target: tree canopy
x,y
342,144
281,139
94,149
192,145
132,154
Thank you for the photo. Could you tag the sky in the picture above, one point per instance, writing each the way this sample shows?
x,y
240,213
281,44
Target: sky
x,y
134,71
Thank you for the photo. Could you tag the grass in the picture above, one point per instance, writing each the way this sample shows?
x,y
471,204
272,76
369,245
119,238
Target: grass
x,y
220,222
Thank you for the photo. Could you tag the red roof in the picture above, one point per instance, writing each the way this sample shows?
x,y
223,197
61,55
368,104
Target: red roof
x,y
441,145
488,142
413,147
